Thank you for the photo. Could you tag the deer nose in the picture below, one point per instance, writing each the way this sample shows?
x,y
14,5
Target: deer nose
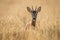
x,y
34,18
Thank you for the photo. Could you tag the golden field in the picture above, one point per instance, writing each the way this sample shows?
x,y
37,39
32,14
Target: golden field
x,y
14,17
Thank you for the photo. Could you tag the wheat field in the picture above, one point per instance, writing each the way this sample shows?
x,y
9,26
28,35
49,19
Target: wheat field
x,y
14,17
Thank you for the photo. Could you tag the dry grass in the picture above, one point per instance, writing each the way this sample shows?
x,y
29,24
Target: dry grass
x,y
14,17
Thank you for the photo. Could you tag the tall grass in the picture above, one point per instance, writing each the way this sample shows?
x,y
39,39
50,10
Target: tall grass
x,y
14,17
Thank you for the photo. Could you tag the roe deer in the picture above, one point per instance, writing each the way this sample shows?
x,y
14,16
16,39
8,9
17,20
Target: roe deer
x,y
34,13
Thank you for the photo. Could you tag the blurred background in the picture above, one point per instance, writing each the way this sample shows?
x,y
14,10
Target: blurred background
x,y
14,17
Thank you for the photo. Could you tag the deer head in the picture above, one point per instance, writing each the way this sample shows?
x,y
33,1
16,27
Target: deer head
x,y
34,13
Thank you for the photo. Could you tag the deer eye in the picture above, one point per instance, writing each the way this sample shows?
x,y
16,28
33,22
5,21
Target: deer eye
x,y
34,12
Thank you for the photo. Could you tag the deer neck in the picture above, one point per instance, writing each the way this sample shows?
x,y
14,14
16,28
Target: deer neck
x,y
34,22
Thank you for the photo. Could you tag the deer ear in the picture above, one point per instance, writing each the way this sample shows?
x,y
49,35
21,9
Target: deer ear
x,y
29,10
39,9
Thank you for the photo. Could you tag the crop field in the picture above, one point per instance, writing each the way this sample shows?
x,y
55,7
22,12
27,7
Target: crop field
x,y
15,20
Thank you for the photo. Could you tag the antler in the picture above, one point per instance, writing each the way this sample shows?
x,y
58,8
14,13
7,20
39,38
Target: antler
x,y
32,8
35,8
